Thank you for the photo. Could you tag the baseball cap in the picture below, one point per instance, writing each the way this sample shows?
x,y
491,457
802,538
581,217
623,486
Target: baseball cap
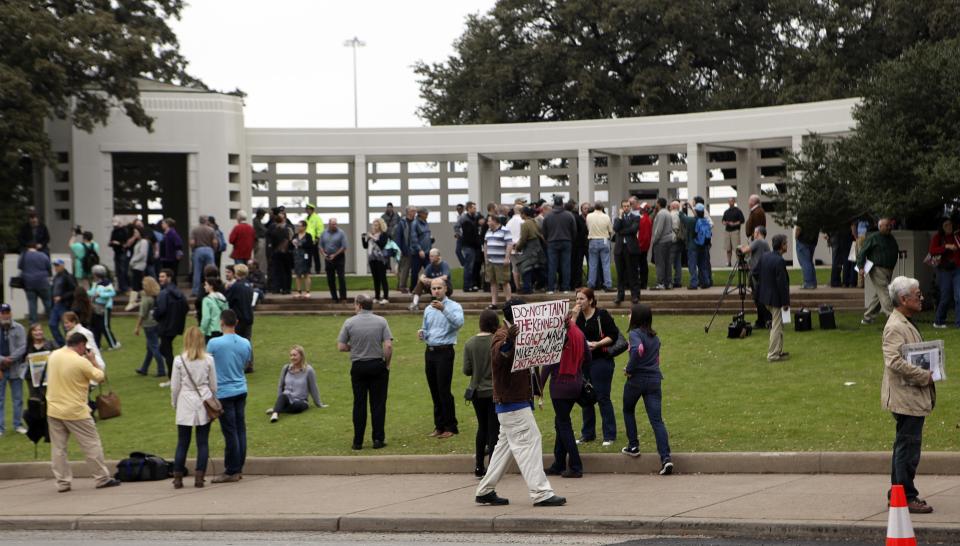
x,y
309,205
699,207
58,261
5,308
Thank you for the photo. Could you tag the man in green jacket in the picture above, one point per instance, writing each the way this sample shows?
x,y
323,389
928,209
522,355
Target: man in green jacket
x,y
315,230
882,251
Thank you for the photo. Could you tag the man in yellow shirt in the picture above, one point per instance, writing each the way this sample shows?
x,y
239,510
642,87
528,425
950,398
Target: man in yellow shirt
x,y
315,230
69,372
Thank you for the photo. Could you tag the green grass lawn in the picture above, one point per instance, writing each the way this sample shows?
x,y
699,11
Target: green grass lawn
x,y
719,394
720,277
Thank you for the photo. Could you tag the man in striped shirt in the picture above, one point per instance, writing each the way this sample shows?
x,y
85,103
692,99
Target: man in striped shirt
x,y
497,244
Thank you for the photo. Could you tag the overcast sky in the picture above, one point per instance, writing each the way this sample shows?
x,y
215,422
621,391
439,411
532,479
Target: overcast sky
x,y
289,57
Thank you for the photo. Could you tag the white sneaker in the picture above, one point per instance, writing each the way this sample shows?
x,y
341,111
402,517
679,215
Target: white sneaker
x,y
866,321
269,410
384,301
274,417
939,326
164,384
413,308
607,443
549,292
22,429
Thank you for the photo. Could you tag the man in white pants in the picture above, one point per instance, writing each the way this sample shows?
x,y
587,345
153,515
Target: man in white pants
x,y
519,434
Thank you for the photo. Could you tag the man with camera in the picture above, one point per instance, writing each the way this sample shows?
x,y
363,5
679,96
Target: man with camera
x,y
756,249
775,293
442,320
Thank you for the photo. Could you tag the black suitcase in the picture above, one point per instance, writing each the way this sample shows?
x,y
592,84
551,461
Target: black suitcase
x,y
802,321
828,320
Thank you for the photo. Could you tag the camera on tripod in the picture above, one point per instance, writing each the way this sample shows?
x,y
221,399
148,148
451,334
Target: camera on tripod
x,y
739,328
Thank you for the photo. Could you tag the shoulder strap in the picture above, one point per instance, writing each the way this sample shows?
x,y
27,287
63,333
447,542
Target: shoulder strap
x,y
190,377
283,380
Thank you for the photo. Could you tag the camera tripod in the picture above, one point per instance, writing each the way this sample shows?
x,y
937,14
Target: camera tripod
x,y
740,271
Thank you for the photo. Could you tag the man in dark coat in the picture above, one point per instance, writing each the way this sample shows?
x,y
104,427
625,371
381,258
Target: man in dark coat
x,y
629,226
775,293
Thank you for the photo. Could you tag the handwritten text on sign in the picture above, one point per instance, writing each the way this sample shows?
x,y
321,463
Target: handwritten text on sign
x,y
542,335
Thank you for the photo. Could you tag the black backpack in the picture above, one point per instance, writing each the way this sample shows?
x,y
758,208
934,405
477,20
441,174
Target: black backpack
x,y
143,467
90,258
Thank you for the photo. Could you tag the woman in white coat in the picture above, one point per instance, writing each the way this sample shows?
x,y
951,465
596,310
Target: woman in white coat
x,y
193,380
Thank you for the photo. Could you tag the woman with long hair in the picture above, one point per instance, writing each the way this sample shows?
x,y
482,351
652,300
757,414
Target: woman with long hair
x,y
946,244
566,382
37,342
101,295
82,306
601,332
643,381
375,241
194,379
145,320
303,247
477,365
298,381
214,304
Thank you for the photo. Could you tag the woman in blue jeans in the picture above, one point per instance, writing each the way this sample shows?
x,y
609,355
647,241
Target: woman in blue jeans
x,y
946,244
193,380
566,381
643,381
600,331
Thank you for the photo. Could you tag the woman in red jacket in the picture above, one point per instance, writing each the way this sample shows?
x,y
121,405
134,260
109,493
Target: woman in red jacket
x,y
946,245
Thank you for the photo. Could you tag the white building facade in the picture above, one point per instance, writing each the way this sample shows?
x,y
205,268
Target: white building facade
x,y
201,159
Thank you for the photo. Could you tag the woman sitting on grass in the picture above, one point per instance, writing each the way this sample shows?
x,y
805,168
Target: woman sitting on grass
x,y
643,381
297,381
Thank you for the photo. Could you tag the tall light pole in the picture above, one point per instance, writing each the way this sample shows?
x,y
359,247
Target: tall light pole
x,y
354,43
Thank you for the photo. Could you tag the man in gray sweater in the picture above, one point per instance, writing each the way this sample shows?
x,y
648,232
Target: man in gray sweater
x,y
661,241
560,230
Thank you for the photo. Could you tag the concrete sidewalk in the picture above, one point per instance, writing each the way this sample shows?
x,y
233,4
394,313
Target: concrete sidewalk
x,y
819,506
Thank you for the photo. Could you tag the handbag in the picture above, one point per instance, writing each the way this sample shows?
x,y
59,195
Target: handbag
x,y
619,345
588,395
108,405
213,406
16,282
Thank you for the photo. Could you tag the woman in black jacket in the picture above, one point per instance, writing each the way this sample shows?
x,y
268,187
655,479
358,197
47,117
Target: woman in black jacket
x,y
601,332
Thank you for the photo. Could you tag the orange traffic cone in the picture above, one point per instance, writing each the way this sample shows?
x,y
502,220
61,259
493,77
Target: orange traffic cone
x,y
899,527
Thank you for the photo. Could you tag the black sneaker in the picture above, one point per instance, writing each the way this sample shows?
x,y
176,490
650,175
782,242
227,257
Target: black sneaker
x,y
555,500
109,483
633,451
666,468
379,444
491,499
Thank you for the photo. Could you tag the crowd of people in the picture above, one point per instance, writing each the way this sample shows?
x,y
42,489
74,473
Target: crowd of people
x,y
516,251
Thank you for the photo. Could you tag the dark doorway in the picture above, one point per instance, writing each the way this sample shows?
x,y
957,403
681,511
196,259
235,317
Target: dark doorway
x,y
153,187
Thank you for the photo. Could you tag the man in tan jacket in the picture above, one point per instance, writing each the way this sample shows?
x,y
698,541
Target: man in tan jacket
x,y
907,390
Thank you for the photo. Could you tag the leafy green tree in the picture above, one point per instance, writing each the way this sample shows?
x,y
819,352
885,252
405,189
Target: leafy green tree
x,y
536,60
904,158
75,59
820,195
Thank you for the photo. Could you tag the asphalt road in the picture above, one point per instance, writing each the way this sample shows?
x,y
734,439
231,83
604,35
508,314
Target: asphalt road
x,y
94,538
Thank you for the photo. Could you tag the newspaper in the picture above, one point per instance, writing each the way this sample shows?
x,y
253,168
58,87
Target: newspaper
x,y
927,355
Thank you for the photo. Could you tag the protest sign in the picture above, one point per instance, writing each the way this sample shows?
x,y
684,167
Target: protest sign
x,y
541,333
38,364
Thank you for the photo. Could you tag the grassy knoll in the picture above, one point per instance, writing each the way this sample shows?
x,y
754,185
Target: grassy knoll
x,y
720,395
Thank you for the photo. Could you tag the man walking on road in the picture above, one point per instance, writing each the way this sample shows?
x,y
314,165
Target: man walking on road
x,y
907,390
69,373
519,434
882,251
442,319
367,338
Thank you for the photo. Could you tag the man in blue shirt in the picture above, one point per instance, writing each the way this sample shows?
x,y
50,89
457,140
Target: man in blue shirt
x,y
333,246
436,269
230,354
442,319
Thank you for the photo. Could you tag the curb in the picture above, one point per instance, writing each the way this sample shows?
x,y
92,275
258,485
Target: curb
x,y
869,462
680,526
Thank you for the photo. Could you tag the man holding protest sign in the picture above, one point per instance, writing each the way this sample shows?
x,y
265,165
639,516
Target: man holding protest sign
x,y
442,319
513,397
